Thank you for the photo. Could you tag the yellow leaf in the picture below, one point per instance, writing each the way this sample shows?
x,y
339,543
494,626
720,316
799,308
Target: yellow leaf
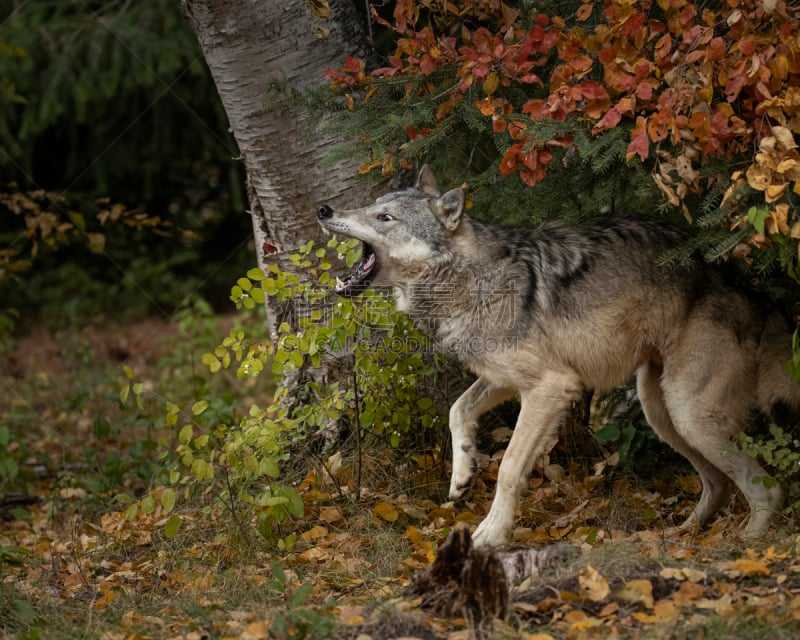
x,y
256,631
320,8
314,533
386,511
594,587
636,592
758,178
775,192
784,137
646,618
790,166
314,554
330,515
746,567
413,534
664,609
683,573
491,83
688,593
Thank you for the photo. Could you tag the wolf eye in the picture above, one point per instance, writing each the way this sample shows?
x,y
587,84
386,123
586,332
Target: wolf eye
x,y
385,217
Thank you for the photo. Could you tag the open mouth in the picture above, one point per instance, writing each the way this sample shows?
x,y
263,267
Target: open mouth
x,y
358,280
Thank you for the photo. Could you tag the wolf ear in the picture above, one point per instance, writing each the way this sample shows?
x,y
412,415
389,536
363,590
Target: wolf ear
x,y
426,182
450,207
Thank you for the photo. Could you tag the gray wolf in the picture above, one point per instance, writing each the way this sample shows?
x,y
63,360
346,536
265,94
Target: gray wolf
x,y
544,313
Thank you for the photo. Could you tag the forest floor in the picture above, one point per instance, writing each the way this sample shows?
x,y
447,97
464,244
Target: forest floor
x,y
77,562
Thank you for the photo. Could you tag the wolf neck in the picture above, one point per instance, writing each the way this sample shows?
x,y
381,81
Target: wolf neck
x,y
462,289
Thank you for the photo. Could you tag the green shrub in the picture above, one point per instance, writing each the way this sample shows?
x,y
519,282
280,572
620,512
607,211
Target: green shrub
x,y
241,458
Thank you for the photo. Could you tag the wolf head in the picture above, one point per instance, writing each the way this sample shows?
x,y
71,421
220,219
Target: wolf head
x,y
402,232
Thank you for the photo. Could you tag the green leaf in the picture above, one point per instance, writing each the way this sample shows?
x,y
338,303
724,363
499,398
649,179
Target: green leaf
x,y
199,407
296,506
758,217
128,371
185,434
123,394
256,274
258,295
245,284
148,504
607,433
168,499
172,526
268,466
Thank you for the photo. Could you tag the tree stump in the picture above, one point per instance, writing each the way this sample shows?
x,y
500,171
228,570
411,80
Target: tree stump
x,y
463,581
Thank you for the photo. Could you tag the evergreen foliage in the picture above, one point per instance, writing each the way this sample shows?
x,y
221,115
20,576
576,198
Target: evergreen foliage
x,y
568,97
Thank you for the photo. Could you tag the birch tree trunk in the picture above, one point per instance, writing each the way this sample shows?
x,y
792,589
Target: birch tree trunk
x,y
247,43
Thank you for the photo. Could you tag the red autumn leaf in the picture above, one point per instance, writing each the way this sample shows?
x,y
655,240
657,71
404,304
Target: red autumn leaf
x,y
663,48
640,143
499,124
536,108
581,63
427,64
687,14
607,54
269,249
747,46
622,82
644,91
510,161
642,68
633,24
626,105
516,129
716,50
611,119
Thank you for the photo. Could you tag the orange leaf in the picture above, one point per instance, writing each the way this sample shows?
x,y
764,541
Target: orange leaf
x,y
644,91
314,533
584,11
747,567
640,143
636,592
688,593
594,587
747,46
329,515
386,511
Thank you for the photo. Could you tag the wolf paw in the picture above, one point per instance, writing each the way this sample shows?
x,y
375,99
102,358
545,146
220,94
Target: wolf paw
x,y
490,533
464,470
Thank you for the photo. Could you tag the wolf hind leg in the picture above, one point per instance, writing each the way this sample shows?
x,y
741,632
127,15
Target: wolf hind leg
x,y
544,406
479,398
709,406
717,487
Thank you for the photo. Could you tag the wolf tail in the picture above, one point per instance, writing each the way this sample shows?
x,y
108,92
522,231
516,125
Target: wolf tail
x,y
778,394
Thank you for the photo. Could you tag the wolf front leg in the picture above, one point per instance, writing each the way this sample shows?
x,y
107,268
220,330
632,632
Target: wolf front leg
x,y
481,396
544,406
